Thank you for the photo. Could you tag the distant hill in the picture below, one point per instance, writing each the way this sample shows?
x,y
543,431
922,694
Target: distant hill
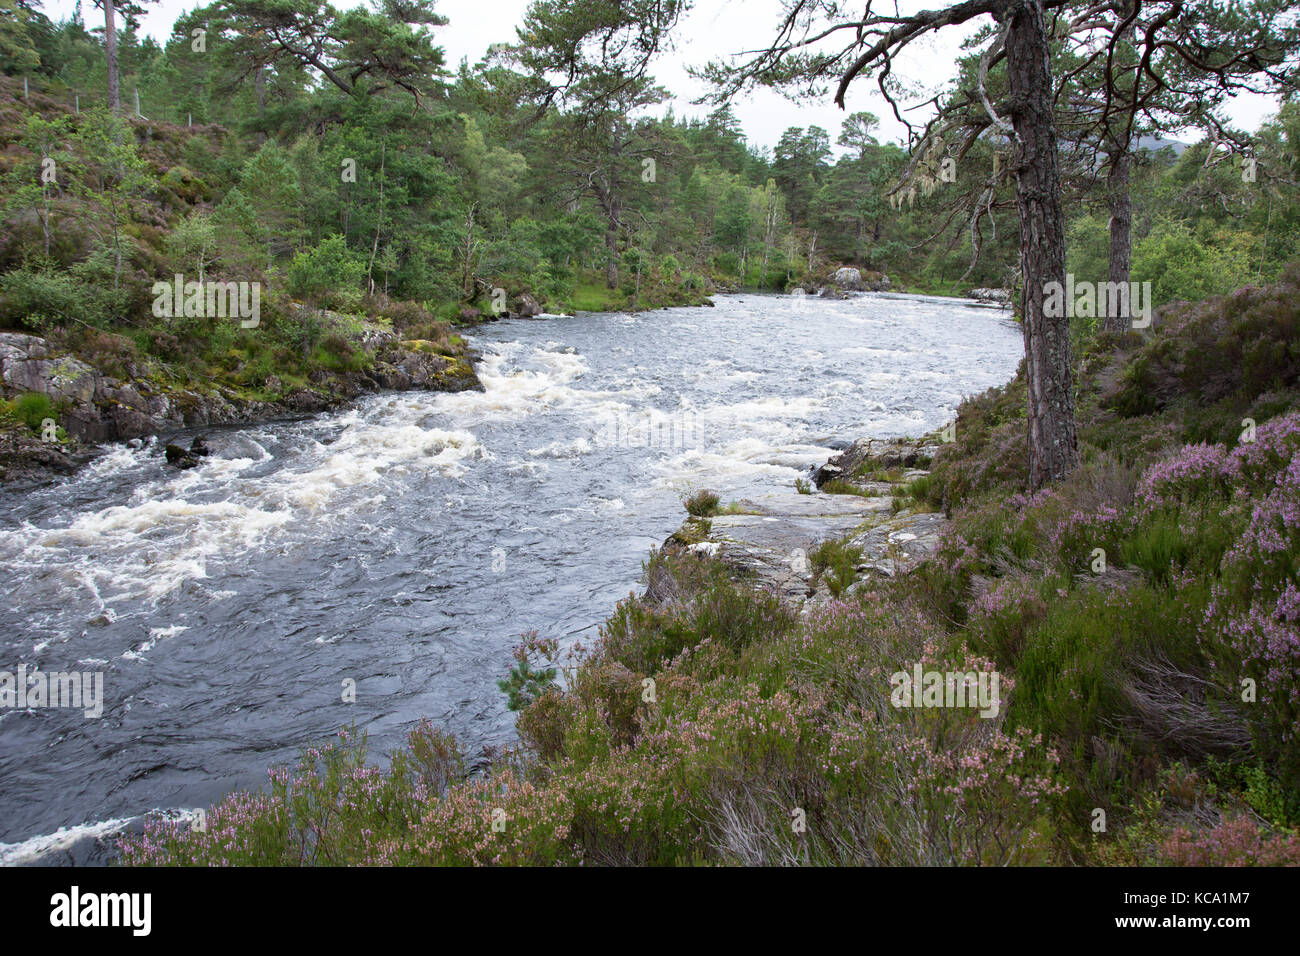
x,y
1154,144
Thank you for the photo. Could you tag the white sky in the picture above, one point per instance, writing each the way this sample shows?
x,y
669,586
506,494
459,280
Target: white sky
x,y
714,28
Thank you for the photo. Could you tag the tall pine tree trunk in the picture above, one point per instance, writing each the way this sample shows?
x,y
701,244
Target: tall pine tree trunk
x,y
110,48
1053,444
259,86
613,212
1120,200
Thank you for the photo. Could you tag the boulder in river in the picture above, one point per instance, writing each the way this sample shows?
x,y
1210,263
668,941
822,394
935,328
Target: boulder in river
x,y
994,296
182,458
847,279
525,307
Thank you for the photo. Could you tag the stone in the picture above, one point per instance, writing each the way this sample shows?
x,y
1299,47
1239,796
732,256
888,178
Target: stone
x,y
525,307
179,457
1000,297
848,279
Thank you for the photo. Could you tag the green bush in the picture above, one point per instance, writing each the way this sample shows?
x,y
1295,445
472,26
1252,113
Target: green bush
x,y
39,298
328,275
33,408
702,504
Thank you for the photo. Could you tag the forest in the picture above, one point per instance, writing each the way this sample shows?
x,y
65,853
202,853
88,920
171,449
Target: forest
x,y
285,143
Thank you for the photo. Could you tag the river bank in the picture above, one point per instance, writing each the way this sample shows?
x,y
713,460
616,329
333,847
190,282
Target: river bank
x,y
61,410
99,388
809,546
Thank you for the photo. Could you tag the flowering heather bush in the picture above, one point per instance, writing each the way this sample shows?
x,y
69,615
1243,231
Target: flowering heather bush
x,y
1192,476
975,803
942,583
331,809
1076,535
1226,346
1252,624
1002,616
1236,842
1256,464
646,632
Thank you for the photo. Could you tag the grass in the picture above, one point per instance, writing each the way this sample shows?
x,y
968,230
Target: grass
x,y
835,563
702,504
838,486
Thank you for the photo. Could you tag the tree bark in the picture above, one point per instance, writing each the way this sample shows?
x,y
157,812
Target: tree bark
x,y
1120,201
1053,444
259,86
613,210
110,49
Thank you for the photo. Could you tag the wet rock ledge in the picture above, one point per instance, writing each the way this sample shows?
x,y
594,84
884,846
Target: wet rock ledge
x,y
768,540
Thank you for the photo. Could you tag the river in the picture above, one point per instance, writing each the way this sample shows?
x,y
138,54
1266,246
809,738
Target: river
x,y
405,543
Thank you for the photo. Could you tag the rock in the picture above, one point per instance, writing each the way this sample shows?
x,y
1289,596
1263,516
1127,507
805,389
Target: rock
x,y
898,544
26,365
200,446
525,307
179,457
470,314
769,543
96,408
867,454
848,279
24,456
831,293
994,296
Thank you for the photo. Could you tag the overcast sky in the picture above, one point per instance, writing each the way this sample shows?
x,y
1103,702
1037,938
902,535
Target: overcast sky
x,y
713,29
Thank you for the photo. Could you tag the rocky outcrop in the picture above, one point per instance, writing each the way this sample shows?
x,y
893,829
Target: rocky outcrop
x,y
767,540
25,457
848,279
94,408
769,543
867,457
525,307
183,458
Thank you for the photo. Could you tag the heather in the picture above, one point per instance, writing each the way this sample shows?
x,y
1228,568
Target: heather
x,y
1142,616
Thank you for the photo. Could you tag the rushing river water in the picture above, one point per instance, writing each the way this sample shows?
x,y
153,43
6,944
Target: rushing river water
x,y
405,543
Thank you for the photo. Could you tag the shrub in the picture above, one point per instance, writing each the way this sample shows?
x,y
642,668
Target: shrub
x,y
835,562
1235,842
702,504
33,408
1001,618
328,275
38,298
526,682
